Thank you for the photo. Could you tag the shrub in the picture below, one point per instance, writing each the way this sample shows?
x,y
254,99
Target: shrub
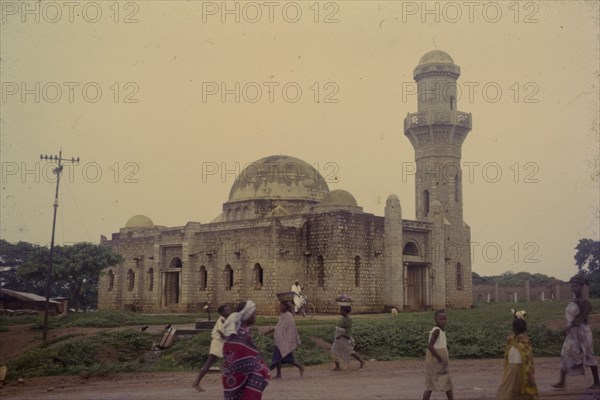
x,y
91,353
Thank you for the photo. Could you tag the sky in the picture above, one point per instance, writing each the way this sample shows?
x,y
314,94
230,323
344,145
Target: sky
x,y
164,102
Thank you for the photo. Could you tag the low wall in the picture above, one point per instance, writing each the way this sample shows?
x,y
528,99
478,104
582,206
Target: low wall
x,y
485,293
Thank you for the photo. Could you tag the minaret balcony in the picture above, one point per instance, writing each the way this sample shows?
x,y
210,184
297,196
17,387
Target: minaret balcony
x,y
426,118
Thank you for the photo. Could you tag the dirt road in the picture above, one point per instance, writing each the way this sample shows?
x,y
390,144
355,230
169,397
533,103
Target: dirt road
x,y
473,379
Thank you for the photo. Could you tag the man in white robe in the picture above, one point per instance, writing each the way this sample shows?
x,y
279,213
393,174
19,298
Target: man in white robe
x,y
297,295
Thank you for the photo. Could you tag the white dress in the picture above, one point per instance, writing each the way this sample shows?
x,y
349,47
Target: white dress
x,y
578,347
297,297
216,344
437,377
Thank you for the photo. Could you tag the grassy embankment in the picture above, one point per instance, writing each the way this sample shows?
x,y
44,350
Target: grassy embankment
x,y
475,333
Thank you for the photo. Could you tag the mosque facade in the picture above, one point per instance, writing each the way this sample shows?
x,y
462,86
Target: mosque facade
x,y
281,222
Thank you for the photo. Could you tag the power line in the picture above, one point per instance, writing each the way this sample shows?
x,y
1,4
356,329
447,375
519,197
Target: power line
x,y
57,171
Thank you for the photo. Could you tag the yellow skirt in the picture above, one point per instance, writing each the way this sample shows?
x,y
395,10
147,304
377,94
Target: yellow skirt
x,y
512,380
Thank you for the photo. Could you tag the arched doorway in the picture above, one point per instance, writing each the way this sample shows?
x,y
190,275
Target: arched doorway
x,y
415,287
416,273
172,278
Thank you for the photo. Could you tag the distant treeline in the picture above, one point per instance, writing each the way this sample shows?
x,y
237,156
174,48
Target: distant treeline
x,y
510,278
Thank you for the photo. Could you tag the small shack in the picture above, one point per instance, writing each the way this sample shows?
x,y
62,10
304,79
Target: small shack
x,y
19,303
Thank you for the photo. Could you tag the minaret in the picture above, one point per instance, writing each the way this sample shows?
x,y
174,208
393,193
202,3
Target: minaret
x,y
437,131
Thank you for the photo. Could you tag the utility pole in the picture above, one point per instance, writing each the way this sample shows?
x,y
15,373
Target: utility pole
x,y
57,171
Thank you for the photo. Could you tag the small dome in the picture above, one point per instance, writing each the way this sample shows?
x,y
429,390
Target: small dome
x,y
436,57
280,178
392,199
339,197
139,222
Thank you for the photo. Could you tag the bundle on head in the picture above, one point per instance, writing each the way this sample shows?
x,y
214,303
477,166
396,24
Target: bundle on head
x,y
519,314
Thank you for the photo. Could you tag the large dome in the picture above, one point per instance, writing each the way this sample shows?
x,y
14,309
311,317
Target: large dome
x,y
281,178
436,57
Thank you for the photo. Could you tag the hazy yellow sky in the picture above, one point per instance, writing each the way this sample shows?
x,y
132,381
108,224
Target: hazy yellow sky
x,y
154,95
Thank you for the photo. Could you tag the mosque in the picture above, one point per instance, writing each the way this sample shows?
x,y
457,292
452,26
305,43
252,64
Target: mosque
x,y
281,222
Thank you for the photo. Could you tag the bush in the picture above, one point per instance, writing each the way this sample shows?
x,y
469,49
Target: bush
x,y
190,353
389,339
108,351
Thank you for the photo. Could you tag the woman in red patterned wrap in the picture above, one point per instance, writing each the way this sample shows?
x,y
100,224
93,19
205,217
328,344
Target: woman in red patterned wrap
x,y
245,375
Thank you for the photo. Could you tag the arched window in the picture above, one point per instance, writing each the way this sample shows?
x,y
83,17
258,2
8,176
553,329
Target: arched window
x,y
320,271
357,271
459,277
203,278
258,276
176,263
150,279
228,277
111,279
426,202
410,249
130,280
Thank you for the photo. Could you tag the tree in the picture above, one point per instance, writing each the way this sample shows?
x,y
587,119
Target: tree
x,y
76,269
587,259
478,279
510,278
588,255
80,267
12,258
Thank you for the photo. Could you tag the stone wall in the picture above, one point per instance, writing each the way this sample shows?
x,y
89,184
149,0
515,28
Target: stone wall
x,y
351,247
137,253
244,251
278,250
483,293
182,269
459,284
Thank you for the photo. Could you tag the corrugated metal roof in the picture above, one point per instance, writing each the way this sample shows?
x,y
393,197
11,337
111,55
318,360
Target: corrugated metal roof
x,y
25,296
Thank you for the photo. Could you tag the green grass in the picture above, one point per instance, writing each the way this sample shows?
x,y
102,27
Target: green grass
x,y
494,312
537,311
103,319
5,321
479,332
186,353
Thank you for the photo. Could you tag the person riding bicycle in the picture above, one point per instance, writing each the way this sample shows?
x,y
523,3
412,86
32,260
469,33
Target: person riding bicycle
x,y
298,297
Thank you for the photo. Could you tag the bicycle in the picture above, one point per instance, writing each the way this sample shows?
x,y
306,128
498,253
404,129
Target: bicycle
x,y
307,308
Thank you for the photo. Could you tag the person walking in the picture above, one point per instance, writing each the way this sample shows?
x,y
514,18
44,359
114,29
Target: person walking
x,y
518,379
245,374
343,343
287,340
437,376
216,345
577,351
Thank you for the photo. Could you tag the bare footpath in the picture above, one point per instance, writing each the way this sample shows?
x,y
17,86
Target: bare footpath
x,y
473,379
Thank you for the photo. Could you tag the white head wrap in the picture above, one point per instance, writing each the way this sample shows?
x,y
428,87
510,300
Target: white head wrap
x,y
234,321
